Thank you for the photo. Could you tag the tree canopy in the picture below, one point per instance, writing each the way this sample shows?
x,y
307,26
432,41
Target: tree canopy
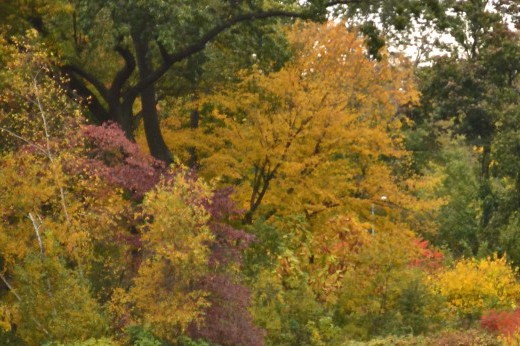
x,y
261,172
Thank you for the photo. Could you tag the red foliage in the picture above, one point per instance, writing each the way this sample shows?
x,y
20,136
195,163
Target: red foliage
x,y
119,161
428,258
502,322
228,321
230,242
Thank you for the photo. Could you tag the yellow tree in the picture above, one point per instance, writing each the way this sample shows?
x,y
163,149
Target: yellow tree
x,y
322,132
322,137
176,239
51,218
475,285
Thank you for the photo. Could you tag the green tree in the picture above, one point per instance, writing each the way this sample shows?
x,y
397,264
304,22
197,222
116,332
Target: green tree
x,y
140,42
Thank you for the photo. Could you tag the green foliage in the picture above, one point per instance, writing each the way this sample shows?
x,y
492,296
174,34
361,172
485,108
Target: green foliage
x,y
89,342
382,295
139,336
59,299
459,227
290,312
186,341
284,303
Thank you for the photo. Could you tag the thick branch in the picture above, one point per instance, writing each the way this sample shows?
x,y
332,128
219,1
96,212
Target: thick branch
x,y
201,44
76,85
125,73
345,2
72,69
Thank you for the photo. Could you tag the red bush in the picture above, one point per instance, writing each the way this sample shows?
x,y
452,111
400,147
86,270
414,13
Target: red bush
x,y
428,258
502,322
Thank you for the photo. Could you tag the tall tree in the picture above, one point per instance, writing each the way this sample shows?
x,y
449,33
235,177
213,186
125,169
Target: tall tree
x,y
140,41
322,133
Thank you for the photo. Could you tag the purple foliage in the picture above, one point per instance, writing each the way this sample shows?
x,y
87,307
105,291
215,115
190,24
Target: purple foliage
x,y
228,321
119,161
230,242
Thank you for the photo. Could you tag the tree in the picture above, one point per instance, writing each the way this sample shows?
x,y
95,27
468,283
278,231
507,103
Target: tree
x,y
293,143
48,236
142,53
470,96
76,227
473,286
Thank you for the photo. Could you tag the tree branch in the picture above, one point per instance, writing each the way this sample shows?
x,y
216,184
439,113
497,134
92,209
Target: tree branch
x,y
50,156
205,39
12,290
92,102
198,46
345,2
88,77
123,74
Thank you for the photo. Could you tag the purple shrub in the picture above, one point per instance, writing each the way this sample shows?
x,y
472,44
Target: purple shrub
x,y
119,161
228,321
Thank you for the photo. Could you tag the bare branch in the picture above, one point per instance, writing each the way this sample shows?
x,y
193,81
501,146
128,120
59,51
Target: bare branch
x,y
37,227
49,152
13,291
17,296
36,146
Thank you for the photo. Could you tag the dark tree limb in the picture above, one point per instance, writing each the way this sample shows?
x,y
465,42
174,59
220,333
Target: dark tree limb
x,y
76,88
198,46
96,83
124,74
170,59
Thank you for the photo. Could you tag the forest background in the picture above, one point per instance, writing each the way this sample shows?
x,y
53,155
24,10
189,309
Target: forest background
x,y
261,172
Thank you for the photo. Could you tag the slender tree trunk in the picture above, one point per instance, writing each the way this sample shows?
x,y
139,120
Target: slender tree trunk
x,y
194,124
152,128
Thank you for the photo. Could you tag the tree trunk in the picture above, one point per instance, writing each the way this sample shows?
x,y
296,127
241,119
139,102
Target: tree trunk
x,y
122,114
193,161
152,128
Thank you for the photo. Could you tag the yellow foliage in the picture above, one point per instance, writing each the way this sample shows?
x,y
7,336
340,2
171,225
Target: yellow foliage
x,y
510,340
475,285
321,133
176,239
5,318
51,219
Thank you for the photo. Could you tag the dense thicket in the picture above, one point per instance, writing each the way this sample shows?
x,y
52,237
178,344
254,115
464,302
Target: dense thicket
x,y
248,173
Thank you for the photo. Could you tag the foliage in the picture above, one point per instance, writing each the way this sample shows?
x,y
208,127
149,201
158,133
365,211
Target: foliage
x,y
118,161
329,186
89,342
473,286
47,235
175,240
227,320
382,292
459,225
506,323
473,337
284,303
292,143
